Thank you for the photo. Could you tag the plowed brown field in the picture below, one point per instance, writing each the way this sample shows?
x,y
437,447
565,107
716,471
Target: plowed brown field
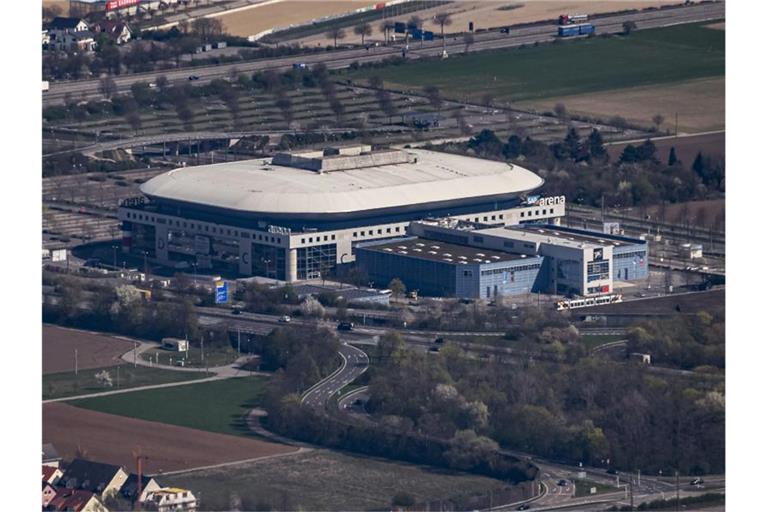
x,y
93,350
115,439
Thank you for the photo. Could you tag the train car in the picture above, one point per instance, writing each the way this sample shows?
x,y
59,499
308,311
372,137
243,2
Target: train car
x,y
570,19
586,302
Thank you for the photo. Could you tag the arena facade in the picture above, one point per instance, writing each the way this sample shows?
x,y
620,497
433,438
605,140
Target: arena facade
x,y
299,215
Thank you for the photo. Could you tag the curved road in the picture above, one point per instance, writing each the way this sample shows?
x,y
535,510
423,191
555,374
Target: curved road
x,y
354,363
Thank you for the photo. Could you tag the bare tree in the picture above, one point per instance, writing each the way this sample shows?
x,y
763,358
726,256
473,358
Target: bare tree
x,y
657,120
107,87
434,96
207,28
628,27
469,39
560,111
443,19
363,30
386,27
336,33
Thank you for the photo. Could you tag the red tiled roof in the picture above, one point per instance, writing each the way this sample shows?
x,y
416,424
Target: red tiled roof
x,y
48,472
70,499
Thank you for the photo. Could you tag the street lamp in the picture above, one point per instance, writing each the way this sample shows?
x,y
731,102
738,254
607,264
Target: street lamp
x,y
114,257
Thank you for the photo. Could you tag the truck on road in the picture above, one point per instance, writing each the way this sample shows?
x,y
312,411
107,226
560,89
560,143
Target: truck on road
x,y
583,29
570,19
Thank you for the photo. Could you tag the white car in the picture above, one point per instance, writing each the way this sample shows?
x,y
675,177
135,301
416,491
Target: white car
x,y
284,319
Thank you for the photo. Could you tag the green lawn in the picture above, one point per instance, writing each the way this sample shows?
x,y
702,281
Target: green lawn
x,y
583,487
591,340
59,385
646,57
214,356
216,406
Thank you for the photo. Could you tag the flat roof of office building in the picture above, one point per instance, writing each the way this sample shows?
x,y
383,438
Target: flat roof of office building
x,y
432,250
579,235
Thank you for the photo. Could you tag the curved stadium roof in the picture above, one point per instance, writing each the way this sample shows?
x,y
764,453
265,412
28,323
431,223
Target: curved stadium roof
x,y
256,186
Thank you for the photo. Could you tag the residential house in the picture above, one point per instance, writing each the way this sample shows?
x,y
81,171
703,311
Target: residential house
x,y
171,499
76,500
103,479
70,34
51,457
117,31
52,474
131,486
48,493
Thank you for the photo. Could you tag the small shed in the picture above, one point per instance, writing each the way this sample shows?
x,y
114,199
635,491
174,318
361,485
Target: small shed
x,y
175,344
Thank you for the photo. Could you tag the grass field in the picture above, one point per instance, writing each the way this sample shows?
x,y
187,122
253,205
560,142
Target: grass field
x,y
648,57
583,487
214,356
690,106
324,480
59,385
591,341
216,406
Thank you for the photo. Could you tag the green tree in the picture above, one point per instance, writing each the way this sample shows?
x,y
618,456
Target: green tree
x,y
672,160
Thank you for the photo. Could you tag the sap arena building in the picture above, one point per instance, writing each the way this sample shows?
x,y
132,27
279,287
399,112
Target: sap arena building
x,y
300,214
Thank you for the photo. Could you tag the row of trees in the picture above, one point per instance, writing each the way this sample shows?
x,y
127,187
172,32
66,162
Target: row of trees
x,y
594,412
465,451
581,168
685,342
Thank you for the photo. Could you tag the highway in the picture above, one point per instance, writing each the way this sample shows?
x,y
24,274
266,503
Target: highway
x,y
354,363
338,59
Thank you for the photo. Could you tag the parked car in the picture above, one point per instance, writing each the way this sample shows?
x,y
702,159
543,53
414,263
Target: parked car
x,y
236,310
194,77
439,340
284,319
697,481
524,506
345,326
612,471
562,482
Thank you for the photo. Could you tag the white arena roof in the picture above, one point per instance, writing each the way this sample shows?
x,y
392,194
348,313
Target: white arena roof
x,y
258,186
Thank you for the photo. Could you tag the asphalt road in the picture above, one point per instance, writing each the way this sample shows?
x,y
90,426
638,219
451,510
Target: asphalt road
x,y
88,89
354,363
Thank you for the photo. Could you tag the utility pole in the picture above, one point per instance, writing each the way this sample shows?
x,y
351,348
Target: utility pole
x,y
631,494
238,342
75,362
202,337
677,485
134,354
